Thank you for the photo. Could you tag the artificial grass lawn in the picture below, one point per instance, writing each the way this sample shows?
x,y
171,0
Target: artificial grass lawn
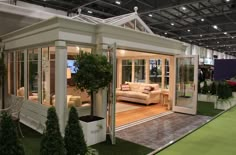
x,y
31,142
215,138
207,109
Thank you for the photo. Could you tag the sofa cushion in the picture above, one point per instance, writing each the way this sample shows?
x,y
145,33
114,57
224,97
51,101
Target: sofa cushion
x,y
125,87
132,94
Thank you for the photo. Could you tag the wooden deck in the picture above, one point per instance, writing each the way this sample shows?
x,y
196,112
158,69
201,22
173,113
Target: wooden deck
x,y
126,117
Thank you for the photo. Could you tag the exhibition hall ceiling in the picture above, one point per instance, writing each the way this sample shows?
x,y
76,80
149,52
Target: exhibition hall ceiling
x,y
207,23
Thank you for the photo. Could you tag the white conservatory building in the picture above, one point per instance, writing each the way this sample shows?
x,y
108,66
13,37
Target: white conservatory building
x,y
40,61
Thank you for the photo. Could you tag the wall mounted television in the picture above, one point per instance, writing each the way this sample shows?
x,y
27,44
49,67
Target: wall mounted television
x,y
70,64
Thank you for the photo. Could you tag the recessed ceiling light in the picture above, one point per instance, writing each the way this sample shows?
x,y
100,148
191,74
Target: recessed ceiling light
x,y
180,38
218,42
188,30
118,2
225,33
227,0
183,8
172,24
90,12
150,15
215,27
166,33
200,35
202,19
232,37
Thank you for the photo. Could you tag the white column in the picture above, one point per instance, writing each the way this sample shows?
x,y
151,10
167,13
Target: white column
x,y
60,85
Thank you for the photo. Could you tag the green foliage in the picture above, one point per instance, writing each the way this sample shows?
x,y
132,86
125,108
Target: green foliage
x,y
74,137
199,87
93,72
9,142
213,88
224,91
52,141
205,88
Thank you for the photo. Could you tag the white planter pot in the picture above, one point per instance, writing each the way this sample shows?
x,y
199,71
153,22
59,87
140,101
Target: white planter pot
x,y
207,98
94,132
224,105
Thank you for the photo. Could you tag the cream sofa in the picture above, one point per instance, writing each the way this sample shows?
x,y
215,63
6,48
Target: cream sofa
x,y
135,94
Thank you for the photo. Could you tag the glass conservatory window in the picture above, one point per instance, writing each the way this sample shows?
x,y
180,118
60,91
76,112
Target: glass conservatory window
x,y
155,75
139,71
167,73
126,71
10,81
20,73
48,75
75,96
33,75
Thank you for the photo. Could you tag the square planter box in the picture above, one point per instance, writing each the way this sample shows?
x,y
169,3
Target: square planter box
x,y
207,98
223,105
94,132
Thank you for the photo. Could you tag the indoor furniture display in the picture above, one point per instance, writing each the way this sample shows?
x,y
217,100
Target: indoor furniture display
x,y
136,94
71,101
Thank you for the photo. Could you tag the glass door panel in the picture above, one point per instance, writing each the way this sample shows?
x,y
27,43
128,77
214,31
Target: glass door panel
x,y
185,100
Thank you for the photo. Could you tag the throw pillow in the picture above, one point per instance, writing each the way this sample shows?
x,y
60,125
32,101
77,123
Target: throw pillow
x,y
150,88
125,87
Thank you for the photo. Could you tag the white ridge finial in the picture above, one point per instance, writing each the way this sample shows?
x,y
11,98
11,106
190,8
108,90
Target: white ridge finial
x,y
79,10
135,9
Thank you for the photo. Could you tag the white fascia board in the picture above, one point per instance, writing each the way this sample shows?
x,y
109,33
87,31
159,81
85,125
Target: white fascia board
x,y
141,46
18,10
77,37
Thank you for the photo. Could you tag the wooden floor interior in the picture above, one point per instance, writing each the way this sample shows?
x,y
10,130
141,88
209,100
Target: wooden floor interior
x,y
145,111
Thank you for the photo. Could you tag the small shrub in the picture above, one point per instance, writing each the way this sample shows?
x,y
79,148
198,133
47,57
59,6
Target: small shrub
x,y
9,142
52,141
213,88
205,88
74,137
224,91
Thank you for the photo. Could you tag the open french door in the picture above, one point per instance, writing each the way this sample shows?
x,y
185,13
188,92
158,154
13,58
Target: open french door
x,y
186,79
112,94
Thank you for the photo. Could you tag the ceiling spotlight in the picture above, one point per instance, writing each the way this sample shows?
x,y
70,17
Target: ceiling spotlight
x,y
172,24
218,42
227,0
215,27
166,33
206,45
202,19
90,11
184,8
118,2
180,38
188,30
150,15
225,33
232,37
200,35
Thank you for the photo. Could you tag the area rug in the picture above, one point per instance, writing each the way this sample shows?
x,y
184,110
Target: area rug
x,y
122,106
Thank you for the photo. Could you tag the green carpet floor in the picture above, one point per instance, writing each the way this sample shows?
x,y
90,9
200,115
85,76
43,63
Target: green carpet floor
x,y
216,138
207,109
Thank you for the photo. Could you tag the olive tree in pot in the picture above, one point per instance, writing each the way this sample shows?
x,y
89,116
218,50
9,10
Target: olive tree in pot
x,y
93,72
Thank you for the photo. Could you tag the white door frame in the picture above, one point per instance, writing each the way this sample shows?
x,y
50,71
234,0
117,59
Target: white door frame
x,y
180,109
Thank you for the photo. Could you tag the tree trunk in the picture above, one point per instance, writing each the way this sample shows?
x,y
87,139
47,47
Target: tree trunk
x,y
92,99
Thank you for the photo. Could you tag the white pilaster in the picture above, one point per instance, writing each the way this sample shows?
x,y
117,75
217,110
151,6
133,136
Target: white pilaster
x,y
60,82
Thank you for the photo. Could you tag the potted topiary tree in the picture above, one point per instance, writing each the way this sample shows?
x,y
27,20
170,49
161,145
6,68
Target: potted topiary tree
x,y
10,144
93,72
224,94
52,141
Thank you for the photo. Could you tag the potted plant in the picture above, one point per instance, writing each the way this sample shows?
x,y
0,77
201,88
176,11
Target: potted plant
x,y
224,94
93,72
